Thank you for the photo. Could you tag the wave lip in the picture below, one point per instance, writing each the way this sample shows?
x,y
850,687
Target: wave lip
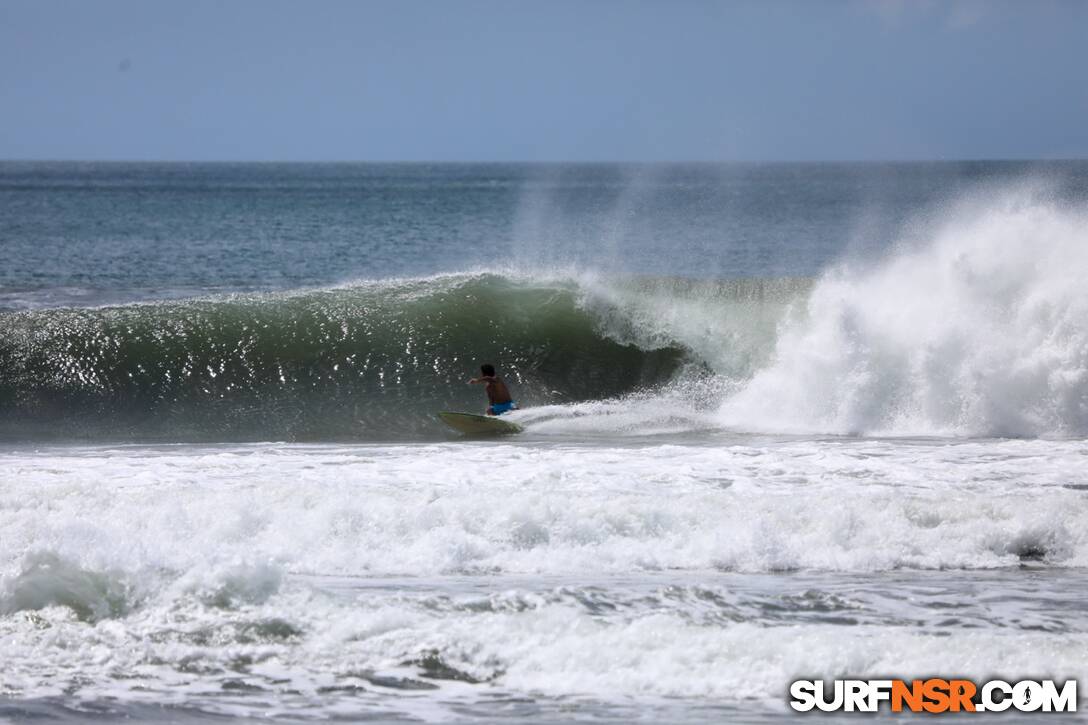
x,y
48,580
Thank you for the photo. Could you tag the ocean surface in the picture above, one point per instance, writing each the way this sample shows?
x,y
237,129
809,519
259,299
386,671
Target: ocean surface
x,y
782,422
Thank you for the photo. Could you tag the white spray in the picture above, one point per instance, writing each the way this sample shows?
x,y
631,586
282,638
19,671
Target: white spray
x,y
981,331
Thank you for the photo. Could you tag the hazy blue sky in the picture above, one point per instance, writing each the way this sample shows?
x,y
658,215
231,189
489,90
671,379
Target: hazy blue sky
x,y
587,80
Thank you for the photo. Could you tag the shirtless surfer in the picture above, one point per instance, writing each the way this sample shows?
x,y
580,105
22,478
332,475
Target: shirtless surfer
x,y
498,395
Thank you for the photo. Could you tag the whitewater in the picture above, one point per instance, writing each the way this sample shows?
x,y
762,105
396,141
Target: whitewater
x,y
864,458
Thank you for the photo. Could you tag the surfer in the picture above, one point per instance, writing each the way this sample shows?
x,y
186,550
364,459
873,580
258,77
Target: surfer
x,y
498,395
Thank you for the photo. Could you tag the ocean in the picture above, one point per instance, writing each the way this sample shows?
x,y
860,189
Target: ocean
x,y
782,421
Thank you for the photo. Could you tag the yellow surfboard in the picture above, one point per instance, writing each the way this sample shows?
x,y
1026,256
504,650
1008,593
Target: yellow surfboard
x,y
472,424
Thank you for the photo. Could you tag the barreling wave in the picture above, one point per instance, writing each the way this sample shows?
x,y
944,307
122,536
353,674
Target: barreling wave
x,y
369,361
979,327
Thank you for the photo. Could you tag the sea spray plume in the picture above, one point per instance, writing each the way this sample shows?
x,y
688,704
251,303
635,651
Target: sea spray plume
x,y
982,330
581,215
698,220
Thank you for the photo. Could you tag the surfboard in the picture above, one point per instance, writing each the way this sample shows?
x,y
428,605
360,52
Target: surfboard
x,y
472,424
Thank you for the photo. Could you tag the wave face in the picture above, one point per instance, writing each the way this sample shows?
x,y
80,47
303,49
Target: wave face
x,y
369,361
982,329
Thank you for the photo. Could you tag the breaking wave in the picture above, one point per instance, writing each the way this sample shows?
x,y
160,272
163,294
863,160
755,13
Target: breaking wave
x,y
977,327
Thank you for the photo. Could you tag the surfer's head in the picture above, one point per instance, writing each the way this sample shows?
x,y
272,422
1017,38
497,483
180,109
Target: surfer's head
x,y
488,370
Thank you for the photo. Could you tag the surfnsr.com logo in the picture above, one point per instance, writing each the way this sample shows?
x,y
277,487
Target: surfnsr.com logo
x,y
934,695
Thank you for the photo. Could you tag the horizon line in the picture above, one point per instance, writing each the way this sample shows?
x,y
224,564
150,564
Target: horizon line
x,y
542,162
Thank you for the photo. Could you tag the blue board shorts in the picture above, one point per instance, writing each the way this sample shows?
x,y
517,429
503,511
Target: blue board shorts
x,y
500,408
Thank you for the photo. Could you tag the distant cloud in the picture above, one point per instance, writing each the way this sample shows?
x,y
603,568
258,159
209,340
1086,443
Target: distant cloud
x,y
894,12
954,14
966,13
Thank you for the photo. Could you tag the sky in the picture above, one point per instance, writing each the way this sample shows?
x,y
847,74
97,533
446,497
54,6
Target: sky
x,y
587,80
